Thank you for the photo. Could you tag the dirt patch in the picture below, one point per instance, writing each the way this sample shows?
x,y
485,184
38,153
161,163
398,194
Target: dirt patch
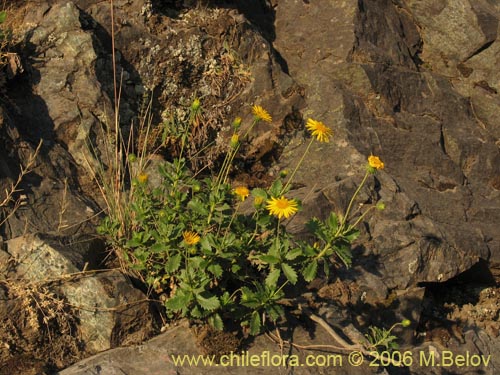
x,y
216,343
450,310
38,330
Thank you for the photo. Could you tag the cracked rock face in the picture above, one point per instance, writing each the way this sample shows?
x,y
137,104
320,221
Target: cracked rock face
x,y
414,82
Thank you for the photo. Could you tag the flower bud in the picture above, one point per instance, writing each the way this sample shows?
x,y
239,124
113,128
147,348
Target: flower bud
x,y
132,158
234,140
195,105
406,322
258,202
237,123
143,178
380,206
196,187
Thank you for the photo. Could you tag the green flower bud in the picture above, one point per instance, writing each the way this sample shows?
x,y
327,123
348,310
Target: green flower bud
x,y
132,158
234,140
406,323
237,123
380,206
195,105
196,187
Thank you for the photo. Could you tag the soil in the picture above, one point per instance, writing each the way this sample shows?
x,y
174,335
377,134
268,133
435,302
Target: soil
x,y
449,310
216,343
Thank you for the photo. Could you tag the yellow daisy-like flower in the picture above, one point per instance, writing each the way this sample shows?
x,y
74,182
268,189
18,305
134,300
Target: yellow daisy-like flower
x,y
375,162
282,207
242,192
319,130
261,114
143,178
191,238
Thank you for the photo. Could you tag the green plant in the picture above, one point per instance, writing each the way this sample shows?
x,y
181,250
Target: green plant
x,y
383,339
190,239
4,37
3,16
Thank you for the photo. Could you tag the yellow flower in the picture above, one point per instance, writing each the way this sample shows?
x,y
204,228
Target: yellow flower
x,y
143,178
191,238
261,114
375,162
319,130
282,207
242,192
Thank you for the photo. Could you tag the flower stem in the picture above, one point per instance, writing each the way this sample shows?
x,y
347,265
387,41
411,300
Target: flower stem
x,y
360,218
226,165
344,219
297,167
231,222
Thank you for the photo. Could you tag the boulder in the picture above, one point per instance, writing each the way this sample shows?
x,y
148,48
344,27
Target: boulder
x,y
64,294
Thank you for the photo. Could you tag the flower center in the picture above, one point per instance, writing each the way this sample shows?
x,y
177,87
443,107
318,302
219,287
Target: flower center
x,y
282,204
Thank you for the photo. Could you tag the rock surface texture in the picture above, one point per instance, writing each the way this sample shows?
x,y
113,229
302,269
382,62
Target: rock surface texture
x,y
415,82
389,77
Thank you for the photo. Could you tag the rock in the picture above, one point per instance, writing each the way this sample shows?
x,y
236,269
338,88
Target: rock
x,y
440,160
158,356
67,90
105,309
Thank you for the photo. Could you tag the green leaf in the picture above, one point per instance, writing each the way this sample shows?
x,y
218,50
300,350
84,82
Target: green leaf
x,y
343,251
134,242
332,222
272,278
235,268
269,259
310,271
313,225
326,269
198,207
275,311
208,303
276,187
249,299
223,207
157,248
3,16
216,322
255,323
196,313
173,263
215,269
259,193
352,235
205,243
264,221
178,302
294,253
289,272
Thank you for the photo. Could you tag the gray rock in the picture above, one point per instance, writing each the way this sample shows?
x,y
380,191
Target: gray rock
x,y
371,89
110,311
157,356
